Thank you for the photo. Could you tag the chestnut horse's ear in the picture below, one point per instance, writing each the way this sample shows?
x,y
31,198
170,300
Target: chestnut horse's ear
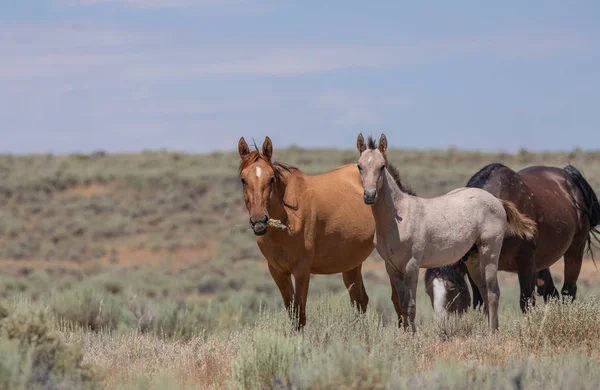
x,y
360,144
267,149
243,148
382,143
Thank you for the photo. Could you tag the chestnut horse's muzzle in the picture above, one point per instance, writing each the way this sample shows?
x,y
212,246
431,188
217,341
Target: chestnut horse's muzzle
x,y
370,196
259,226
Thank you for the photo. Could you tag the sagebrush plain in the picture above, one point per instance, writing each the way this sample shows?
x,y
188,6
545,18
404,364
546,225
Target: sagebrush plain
x,y
139,271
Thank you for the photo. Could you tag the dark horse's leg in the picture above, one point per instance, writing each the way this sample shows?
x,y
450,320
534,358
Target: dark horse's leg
x,y
545,285
573,259
356,288
526,271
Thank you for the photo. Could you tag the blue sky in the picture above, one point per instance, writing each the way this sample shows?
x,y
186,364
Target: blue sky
x,y
195,75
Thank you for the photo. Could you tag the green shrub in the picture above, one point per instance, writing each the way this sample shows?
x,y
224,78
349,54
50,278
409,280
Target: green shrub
x,y
33,355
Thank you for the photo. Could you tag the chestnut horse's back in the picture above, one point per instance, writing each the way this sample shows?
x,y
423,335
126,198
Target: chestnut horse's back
x,y
344,226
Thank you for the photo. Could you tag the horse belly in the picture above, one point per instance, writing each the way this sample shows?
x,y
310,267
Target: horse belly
x,y
446,255
333,260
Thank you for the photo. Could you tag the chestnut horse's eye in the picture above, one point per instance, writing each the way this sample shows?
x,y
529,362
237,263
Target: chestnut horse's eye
x,y
271,181
243,181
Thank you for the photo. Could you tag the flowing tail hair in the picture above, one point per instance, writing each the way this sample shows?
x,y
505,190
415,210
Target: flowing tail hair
x,y
590,207
517,223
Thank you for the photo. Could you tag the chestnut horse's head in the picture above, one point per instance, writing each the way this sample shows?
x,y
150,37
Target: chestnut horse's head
x,y
371,165
258,176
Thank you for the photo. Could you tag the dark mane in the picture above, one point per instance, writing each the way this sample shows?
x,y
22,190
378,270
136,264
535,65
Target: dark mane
x,y
455,273
396,175
479,179
278,167
372,145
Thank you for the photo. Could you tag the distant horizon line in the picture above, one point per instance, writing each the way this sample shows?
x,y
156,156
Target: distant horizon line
x,y
298,147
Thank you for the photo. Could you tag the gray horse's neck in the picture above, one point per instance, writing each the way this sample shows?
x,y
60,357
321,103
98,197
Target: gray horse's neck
x,y
388,206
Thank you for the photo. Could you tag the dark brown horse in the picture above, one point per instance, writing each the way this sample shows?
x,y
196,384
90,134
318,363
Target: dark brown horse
x,y
328,228
566,211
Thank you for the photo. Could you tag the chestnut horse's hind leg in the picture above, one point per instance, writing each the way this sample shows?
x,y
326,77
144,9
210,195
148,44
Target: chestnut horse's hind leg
x,y
356,288
545,285
573,259
526,273
284,283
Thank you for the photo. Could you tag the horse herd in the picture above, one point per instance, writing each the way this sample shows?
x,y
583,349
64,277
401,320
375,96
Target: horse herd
x,y
519,222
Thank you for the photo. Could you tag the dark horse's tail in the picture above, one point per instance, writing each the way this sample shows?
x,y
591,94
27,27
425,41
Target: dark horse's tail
x,y
591,206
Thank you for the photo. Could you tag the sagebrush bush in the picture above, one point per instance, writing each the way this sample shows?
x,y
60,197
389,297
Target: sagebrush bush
x,y
34,356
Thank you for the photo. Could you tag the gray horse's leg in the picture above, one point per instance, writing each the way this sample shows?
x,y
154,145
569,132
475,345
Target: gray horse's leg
x,y
406,286
409,304
477,275
489,251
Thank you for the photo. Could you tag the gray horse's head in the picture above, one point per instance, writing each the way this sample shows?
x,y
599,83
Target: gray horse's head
x,y
371,165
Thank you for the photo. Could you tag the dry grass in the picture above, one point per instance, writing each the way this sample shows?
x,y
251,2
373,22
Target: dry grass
x,y
340,349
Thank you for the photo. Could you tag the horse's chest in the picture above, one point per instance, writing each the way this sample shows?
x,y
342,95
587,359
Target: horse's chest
x,y
388,249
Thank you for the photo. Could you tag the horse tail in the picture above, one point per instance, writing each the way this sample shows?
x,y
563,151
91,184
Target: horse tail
x,y
517,223
590,207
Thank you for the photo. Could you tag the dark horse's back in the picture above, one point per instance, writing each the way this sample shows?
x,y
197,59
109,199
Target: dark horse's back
x,y
541,193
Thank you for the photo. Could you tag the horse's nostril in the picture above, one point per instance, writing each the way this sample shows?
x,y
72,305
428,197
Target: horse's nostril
x,y
252,221
264,219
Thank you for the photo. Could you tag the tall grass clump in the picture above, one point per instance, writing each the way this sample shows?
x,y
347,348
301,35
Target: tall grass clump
x,y
34,356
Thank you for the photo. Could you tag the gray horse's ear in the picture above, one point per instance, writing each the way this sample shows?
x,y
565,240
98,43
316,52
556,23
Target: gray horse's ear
x,y
267,148
382,143
360,144
243,148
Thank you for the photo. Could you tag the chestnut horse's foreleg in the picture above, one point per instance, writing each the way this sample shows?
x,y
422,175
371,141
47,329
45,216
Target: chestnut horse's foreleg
x,y
284,283
545,285
302,280
573,260
356,288
526,273
395,298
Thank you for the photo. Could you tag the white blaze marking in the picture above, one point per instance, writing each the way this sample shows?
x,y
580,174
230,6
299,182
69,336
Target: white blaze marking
x,y
369,160
439,296
258,171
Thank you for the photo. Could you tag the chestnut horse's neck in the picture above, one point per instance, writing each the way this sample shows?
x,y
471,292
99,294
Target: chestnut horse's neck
x,y
279,202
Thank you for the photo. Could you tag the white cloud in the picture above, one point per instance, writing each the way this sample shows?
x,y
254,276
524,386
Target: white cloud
x,y
151,4
350,110
81,77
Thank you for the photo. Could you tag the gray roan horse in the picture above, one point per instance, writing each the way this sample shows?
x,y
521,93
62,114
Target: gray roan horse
x,y
413,232
567,212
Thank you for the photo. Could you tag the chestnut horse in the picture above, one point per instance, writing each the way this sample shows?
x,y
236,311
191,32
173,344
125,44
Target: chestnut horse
x,y
413,232
328,228
567,213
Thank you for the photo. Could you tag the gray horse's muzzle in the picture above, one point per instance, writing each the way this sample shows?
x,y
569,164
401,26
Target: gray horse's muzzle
x,y
370,196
